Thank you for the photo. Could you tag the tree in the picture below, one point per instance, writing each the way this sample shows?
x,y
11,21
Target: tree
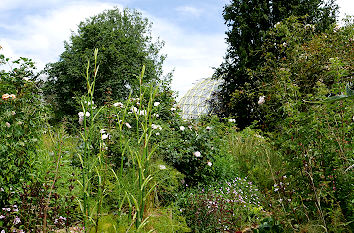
x,y
249,21
125,44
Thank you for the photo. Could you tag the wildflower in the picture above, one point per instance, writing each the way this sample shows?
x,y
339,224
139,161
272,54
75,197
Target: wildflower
x,y
128,125
17,220
181,128
87,114
190,127
156,104
336,28
2,216
153,126
8,124
5,96
285,44
13,113
276,190
157,134
208,128
89,102
197,154
104,136
173,109
209,163
118,104
142,112
162,167
102,131
261,100
232,120
12,96
81,114
155,115
134,109
2,231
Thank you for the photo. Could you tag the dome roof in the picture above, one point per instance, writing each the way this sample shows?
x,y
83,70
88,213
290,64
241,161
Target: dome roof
x,y
196,101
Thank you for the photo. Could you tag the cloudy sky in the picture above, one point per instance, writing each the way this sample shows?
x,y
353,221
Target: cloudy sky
x,y
193,30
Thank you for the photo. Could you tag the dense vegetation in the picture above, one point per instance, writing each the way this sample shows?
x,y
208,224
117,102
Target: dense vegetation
x,y
248,24
131,164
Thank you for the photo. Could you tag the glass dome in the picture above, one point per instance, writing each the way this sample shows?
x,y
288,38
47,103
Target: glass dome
x,y
196,101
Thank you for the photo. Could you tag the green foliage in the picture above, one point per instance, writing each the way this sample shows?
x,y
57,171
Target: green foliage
x,y
125,44
252,156
22,116
249,22
312,132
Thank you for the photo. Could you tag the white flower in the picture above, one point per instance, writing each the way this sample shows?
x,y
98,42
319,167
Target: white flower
x,y
17,220
261,100
3,231
208,128
81,120
173,109
134,109
89,102
157,134
8,124
162,167
232,120
155,115
153,126
209,163
181,128
156,104
142,112
1,217
118,104
128,125
81,114
197,154
13,113
104,136
102,131
190,126
276,190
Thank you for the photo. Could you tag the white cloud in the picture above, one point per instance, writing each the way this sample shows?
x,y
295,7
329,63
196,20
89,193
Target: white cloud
x,y
192,56
41,37
189,10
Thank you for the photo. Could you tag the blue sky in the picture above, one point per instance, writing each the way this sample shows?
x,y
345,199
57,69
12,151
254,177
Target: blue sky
x,y
193,30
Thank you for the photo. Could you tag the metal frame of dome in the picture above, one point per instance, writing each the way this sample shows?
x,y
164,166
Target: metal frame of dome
x,y
195,102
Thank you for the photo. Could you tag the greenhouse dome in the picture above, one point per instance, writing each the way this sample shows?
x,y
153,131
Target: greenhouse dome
x,y
195,102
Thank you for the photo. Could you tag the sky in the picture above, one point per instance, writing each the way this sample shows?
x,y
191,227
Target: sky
x,y
193,31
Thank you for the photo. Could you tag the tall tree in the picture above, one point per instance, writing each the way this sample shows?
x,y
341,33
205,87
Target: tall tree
x,y
125,44
248,22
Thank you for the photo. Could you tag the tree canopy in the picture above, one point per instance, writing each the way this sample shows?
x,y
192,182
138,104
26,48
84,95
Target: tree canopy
x,y
125,44
248,22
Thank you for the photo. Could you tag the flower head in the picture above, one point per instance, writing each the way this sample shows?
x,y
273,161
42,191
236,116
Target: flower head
x,y
261,100
209,164
5,96
232,120
118,104
128,125
156,104
162,167
197,154
181,128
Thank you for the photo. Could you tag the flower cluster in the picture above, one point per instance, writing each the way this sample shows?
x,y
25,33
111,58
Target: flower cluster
x,y
8,96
